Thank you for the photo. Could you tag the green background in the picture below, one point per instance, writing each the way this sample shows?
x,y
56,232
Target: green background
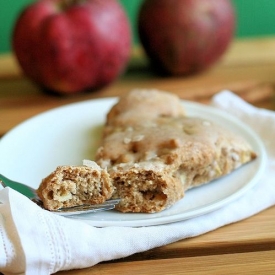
x,y
254,18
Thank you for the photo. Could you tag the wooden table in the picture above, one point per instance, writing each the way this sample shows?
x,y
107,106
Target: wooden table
x,y
248,69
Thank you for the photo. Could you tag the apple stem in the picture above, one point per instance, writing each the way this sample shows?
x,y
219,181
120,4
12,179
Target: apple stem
x,y
65,4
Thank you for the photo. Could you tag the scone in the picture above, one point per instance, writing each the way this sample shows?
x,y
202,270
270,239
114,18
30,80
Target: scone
x,y
69,186
154,152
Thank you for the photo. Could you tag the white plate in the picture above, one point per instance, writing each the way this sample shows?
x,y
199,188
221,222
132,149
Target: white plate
x,y
69,134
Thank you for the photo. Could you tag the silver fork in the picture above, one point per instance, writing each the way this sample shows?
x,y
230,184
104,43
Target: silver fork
x,y
68,211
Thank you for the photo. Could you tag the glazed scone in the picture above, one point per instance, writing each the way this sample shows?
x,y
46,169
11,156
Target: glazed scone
x,y
69,186
154,161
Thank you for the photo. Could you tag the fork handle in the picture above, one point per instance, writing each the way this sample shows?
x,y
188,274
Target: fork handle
x,y
5,182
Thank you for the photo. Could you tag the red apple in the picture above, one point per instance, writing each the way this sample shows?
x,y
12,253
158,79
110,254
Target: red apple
x,y
185,36
68,46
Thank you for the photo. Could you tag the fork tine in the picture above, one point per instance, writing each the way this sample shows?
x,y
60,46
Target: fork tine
x,y
105,205
81,209
110,202
88,209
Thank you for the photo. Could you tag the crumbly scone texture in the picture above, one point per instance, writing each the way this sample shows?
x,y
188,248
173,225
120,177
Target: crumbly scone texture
x,y
69,186
154,152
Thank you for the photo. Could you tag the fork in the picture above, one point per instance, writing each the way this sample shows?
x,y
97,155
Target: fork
x,y
67,211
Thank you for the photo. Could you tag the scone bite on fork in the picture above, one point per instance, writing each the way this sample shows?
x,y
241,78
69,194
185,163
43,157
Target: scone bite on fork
x,y
70,186
154,152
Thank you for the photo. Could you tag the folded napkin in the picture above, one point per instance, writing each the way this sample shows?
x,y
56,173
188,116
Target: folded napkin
x,y
34,241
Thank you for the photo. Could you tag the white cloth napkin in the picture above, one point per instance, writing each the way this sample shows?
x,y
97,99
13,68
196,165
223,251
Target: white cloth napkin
x,y
33,241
